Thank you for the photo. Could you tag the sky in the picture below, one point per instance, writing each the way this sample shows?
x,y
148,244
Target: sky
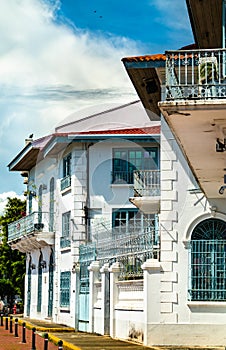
x,y
59,56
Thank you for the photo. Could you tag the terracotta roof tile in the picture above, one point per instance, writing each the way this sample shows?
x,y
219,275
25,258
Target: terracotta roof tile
x,y
152,130
157,57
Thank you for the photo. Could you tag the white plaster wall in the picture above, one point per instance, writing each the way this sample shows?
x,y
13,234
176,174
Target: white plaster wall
x,y
180,212
129,324
103,194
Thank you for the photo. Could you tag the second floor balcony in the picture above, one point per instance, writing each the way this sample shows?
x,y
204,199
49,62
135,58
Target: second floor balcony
x,y
31,232
193,105
195,74
147,190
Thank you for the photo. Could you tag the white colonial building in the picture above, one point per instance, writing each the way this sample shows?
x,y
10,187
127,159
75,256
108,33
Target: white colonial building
x,y
125,231
187,89
82,181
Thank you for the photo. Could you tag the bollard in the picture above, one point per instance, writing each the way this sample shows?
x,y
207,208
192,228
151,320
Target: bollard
x,y
46,340
60,345
2,320
24,332
11,324
16,328
6,323
33,347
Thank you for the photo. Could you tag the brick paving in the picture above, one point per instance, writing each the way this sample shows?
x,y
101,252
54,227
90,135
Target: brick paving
x,y
8,341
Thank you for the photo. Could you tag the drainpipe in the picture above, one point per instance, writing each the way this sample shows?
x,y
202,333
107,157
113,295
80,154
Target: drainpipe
x,y
223,33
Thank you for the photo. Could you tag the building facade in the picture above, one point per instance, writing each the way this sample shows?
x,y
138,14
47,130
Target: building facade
x,y
186,88
81,219
134,245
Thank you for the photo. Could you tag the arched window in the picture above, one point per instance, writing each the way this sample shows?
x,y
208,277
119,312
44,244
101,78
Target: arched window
x,y
40,204
208,261
51,205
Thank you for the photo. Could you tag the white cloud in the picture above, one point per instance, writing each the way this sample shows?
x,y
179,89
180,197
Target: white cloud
x,y
37,51
4,199
49,70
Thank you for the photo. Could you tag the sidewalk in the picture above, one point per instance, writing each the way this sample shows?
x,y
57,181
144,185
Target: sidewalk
x,y
77,340
71,340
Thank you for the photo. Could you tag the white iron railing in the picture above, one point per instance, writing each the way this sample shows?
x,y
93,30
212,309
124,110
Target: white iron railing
x,y
147,182
35,222
195,74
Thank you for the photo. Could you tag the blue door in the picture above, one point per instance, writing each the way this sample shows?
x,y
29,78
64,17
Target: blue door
x,y
86,256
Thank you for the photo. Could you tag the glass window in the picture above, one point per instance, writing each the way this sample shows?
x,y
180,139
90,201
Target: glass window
x,y
66,180
66,229
65,284
40,204
51,205
67,165
208,261
132,221
125,161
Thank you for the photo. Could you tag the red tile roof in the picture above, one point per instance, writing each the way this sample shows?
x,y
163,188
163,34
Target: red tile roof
x,y
152,130
157,57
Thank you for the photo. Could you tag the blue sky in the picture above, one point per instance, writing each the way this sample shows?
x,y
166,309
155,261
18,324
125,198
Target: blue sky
x,y
57,57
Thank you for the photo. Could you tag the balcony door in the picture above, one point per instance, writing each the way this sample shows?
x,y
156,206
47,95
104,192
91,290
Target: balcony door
x,y
51,279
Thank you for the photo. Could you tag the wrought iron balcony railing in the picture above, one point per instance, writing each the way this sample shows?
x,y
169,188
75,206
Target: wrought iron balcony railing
x,y
122,177
147,182
195,74
65,182
35,222
130,248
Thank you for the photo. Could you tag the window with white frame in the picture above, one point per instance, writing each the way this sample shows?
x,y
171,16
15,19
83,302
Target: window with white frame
x,y
66,230
208,261
66,179
132,220
126,161
65,286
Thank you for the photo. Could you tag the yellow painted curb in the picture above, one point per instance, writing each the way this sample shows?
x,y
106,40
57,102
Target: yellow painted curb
x,y
66,345
45,329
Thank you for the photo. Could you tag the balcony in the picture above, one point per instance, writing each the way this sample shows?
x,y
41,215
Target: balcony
x,y
65,183
196,74
193,105
31,232
122,177
129,245
147,191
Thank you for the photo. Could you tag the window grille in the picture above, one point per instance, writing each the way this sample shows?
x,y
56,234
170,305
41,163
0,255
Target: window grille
x,y
65,284
208,261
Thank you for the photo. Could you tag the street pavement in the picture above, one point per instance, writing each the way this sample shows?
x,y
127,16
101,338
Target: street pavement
x,y
13,338
8,340
71,340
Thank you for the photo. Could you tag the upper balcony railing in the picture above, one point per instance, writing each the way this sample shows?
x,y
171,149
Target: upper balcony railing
x,y
195,74
65,183
147,182
35,222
